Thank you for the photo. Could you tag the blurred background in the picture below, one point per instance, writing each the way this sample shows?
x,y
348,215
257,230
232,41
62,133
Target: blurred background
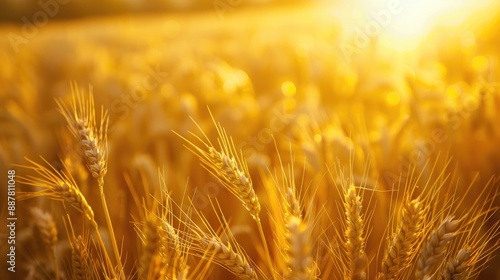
x,y
397,84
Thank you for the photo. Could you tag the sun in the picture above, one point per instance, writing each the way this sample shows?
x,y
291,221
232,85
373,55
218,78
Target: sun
x,y
405,22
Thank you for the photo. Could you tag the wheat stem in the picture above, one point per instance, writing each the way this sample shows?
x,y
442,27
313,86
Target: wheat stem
x,y
112,237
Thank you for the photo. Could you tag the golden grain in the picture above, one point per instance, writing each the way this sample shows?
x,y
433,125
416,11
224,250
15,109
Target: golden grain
x,y
436,245
402,248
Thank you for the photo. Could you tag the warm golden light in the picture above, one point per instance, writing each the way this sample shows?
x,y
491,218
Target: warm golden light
x,y
406,22
250,139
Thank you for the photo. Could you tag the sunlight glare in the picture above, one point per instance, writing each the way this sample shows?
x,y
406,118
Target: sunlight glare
x,y
410,21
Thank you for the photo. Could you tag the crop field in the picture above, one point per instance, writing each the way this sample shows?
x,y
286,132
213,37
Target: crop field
x,y
249,141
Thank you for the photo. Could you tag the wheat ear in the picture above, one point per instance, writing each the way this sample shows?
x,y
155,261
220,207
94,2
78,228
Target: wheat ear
x,y
79,259
230,258
45,229
82,124
435,246
58,186
61,186
232,171
209,245
299,261
354,240
152,265
458,267
171,249
94,144
401,249
229,168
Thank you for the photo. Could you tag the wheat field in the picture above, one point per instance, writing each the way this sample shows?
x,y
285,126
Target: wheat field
x,y
250,145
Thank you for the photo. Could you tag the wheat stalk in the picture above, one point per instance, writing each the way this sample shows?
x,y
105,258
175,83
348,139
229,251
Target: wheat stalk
x,y
94,144
61,186
401,249
232,171
354,240
435,246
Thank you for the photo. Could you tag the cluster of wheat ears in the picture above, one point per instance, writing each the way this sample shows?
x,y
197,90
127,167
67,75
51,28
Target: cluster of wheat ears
x,y
424,237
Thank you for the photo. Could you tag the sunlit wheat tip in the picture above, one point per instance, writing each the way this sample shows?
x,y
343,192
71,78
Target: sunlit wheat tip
x,y
82,124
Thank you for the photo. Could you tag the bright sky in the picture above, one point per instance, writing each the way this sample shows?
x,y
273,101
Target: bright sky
x,y
411,20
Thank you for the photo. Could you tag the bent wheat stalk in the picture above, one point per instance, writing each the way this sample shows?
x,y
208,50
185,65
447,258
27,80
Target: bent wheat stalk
x,y
61,186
